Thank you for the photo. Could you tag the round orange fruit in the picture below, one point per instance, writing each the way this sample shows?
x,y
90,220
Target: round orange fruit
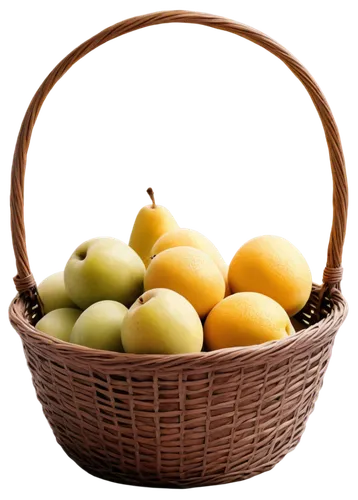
x,y
274,267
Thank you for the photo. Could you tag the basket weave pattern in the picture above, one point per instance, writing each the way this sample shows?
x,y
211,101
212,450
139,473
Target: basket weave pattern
x,y
181,420
185,420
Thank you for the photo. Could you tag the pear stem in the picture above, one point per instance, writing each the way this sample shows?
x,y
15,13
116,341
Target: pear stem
x,y
151,195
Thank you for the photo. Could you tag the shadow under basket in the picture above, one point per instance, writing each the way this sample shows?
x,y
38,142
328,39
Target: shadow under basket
x,y
181,420
191,419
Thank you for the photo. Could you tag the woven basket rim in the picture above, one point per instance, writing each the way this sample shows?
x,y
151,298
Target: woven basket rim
x,y
315,333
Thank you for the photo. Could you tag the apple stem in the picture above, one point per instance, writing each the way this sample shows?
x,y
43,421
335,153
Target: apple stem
x,y
151,195
141,300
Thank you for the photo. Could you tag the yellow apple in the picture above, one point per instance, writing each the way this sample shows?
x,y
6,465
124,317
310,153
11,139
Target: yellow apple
x,y
53,294
104,269
162,322
100,326
59,323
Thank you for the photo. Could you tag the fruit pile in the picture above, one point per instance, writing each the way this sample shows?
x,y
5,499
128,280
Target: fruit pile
x,y
191,297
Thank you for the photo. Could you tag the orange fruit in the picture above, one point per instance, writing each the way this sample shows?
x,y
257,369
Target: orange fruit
x,y
189,272
190,238
245,319
274,267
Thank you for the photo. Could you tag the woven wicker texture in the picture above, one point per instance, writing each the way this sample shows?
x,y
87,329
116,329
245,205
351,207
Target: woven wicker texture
x,y
181,420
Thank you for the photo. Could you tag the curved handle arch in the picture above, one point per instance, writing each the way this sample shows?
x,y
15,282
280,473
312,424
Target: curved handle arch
x,y
332,274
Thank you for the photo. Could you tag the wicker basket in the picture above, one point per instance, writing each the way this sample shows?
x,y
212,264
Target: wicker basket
x,y
192,419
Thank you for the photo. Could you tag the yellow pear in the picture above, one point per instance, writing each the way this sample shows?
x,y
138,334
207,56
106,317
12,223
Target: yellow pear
x,y
151,223
189,238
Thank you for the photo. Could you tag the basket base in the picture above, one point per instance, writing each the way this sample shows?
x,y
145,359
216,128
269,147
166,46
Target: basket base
x,y
175,483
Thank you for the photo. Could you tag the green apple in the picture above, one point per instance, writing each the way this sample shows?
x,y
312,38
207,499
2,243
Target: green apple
x,y
53,294
162,322
100,326
104,269
59,323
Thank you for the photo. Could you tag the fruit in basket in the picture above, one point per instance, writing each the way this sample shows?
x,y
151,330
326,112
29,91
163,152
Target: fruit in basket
x,y
246,318
59,323
189,238
274,267
151,222
189,272
53,294
104,269
162,322
100,326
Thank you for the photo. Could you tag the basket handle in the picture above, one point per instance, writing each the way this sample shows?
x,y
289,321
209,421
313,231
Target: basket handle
x,y
332,275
